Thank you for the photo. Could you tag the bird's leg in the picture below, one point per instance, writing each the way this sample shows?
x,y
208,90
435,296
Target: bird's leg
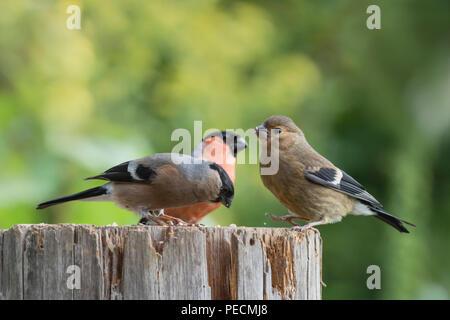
x,y
287,218
148,219
144,221
158,217
151,215
156,213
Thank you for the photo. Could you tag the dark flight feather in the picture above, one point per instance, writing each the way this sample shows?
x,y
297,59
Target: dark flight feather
x,y
94,192
120,173
326,177
390,219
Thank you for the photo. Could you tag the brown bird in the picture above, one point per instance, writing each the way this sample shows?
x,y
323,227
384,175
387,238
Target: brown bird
x,y
222,148
146,186
310,186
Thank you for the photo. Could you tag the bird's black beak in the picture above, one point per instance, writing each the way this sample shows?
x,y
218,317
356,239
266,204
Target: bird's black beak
x,y
259,128
227,202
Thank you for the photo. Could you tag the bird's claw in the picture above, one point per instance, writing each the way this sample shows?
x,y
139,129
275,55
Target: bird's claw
x,y
158,217
288,218
304,228
147,221
194,224
299,228
173,220
156,213
166,220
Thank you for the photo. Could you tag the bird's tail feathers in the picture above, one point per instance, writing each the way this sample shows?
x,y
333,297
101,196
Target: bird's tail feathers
x,y
83,195
390,219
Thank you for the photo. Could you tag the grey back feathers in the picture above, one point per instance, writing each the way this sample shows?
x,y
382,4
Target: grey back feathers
x,y
144,170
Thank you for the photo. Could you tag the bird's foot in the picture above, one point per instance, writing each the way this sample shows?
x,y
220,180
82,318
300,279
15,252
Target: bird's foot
x,y
193,224
156,213
168,220
174,220
288,218
150,220
152,217
145,221
309,226
300,228
164,220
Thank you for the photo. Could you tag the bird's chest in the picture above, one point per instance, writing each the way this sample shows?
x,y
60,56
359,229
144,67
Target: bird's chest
x,y
288,184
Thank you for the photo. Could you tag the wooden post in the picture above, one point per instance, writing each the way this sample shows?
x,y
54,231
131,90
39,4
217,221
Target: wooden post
x,y
150,262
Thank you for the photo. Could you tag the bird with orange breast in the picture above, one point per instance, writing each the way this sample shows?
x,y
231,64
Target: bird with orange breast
x,y
222,148
147,185
310,186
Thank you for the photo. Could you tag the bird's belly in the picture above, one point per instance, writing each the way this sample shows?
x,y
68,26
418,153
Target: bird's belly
x,y
134,197
311,202
329,205
194,213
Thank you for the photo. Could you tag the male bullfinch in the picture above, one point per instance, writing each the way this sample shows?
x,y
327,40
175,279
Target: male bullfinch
x,y
148,185
309,185
222,148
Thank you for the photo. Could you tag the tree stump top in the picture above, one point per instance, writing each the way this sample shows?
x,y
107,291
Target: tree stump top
x,y
67,261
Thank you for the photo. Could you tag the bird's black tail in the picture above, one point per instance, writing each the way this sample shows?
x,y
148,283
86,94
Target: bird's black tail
x,y
94,192
390,219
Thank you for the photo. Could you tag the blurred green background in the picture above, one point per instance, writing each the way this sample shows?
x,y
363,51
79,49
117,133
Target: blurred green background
x,y
375,102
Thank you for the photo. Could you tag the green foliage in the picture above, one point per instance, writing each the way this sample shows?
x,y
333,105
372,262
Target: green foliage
x,y
376,102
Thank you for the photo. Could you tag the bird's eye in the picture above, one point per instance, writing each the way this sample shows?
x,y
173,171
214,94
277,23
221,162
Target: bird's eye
x,y
278,130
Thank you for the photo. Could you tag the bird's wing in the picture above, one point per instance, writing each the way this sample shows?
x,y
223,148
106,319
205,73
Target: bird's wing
x,y
338,180
147,169
130,171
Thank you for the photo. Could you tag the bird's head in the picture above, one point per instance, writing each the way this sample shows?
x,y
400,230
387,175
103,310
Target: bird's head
x,y
212,146
281,127
234,141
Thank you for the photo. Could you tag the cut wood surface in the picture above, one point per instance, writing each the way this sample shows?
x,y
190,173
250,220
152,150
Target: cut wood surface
x,y
67,261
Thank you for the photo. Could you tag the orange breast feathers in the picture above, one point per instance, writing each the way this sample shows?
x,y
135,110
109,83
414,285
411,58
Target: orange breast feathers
x,y
214,149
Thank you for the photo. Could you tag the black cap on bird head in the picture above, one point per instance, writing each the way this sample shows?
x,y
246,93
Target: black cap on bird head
x,y
234,141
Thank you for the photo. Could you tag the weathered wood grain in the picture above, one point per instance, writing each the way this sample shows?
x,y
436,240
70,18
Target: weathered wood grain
x,y
153,262
1,265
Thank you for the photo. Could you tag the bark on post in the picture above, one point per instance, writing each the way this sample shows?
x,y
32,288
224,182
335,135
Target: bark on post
x,y
142,262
